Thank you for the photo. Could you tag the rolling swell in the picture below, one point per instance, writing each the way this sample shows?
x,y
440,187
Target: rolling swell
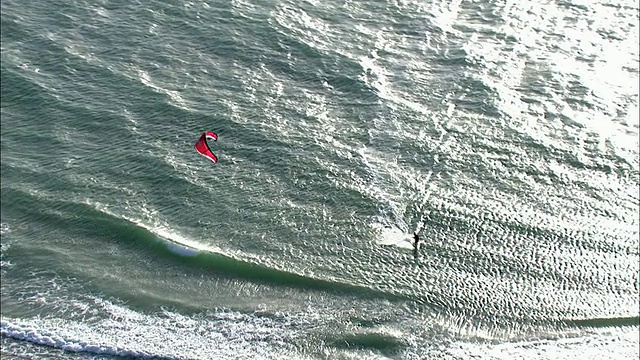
x,y
384,343
75,216
605,322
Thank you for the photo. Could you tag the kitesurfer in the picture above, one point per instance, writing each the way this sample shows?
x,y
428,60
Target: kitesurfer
x,y
416,240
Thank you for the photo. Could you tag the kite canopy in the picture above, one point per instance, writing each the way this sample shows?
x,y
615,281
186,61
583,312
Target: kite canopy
x,y
202,146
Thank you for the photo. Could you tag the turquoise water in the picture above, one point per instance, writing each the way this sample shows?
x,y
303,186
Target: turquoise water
x,y
505,133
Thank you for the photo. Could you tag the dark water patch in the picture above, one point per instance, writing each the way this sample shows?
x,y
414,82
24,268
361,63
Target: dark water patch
x,y
369,322
88,128
419,24
384,344
577,9
538,80
455,58
12,28
17,91
43,176
632,321
478,97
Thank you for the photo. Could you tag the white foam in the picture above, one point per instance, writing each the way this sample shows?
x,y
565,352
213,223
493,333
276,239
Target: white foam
x,y
34,334
4,228
165,334
4,245
175,96
609,343
392,236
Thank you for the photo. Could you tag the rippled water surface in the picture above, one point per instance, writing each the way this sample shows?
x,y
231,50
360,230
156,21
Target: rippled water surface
x,y
505,133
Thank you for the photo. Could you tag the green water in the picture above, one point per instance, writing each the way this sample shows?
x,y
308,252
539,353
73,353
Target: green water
x,y
505,134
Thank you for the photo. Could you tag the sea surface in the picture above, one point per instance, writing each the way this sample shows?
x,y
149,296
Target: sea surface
x,y
506,133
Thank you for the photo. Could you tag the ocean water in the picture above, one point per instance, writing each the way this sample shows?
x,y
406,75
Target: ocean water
x,y
505,132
